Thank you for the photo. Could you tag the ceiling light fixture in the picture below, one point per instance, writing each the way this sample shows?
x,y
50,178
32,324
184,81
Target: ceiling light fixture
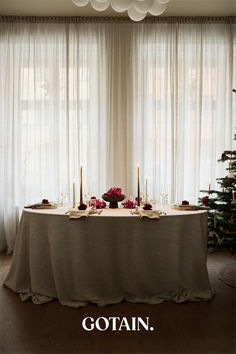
x,y
137,9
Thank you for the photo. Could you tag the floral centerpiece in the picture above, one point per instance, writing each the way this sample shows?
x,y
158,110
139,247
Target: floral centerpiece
x,y
113,196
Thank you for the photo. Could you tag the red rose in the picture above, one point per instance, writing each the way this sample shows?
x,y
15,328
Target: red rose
x,y
185,202
147,207
45,201
205,200
82,206
103,205
114,192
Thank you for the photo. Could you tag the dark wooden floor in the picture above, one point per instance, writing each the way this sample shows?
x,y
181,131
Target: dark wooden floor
x,y
206,327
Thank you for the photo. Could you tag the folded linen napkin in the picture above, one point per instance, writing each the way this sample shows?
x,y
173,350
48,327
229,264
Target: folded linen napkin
x,y
76,213
189,207
42,206
151,214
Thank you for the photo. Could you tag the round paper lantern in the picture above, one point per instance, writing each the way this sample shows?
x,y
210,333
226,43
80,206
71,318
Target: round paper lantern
x,y
137,9
157,8
121,5
80,2
136,15
100,6
142,6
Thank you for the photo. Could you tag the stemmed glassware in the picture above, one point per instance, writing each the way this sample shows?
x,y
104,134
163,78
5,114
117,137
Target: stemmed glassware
x,y
164,194
65,196
153,202
87,197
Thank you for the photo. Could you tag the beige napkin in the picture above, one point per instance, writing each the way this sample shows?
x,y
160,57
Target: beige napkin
x,y
42,206
151,214
187,207
76,213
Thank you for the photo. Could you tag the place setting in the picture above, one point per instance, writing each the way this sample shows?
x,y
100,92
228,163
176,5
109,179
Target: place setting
x,y
114,199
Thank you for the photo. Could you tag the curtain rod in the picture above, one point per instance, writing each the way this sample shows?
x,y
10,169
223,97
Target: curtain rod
x,y
118,19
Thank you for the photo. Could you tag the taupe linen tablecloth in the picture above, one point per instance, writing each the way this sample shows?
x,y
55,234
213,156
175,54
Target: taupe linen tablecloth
x,y
110,257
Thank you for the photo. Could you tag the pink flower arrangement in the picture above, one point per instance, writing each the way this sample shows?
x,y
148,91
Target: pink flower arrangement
x,y
102,205
205,200
113,196
185,202
147,207
129,205
114,192
82,206
45,201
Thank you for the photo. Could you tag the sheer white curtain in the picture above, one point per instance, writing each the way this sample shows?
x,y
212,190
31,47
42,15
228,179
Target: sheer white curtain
x,y
182,104
53,114
154,105
109,96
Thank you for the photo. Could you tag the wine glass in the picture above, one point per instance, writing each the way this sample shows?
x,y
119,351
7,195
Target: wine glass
x,y
164,194
153,203
87,197
65,195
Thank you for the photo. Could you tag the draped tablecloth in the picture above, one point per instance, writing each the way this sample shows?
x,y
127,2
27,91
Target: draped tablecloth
x,y
109,257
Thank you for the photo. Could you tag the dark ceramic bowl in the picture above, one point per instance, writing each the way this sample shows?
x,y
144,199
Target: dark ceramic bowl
x,y
113,200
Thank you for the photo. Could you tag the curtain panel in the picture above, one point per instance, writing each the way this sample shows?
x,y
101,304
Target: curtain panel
x,y
108,96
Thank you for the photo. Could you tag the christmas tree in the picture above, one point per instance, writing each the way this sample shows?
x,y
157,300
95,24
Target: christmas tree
x,y
222,208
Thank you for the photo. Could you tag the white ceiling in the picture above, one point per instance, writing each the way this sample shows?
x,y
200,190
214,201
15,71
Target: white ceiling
x,y
67,8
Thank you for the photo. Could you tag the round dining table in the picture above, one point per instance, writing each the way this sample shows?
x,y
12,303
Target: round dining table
x,y
111,256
